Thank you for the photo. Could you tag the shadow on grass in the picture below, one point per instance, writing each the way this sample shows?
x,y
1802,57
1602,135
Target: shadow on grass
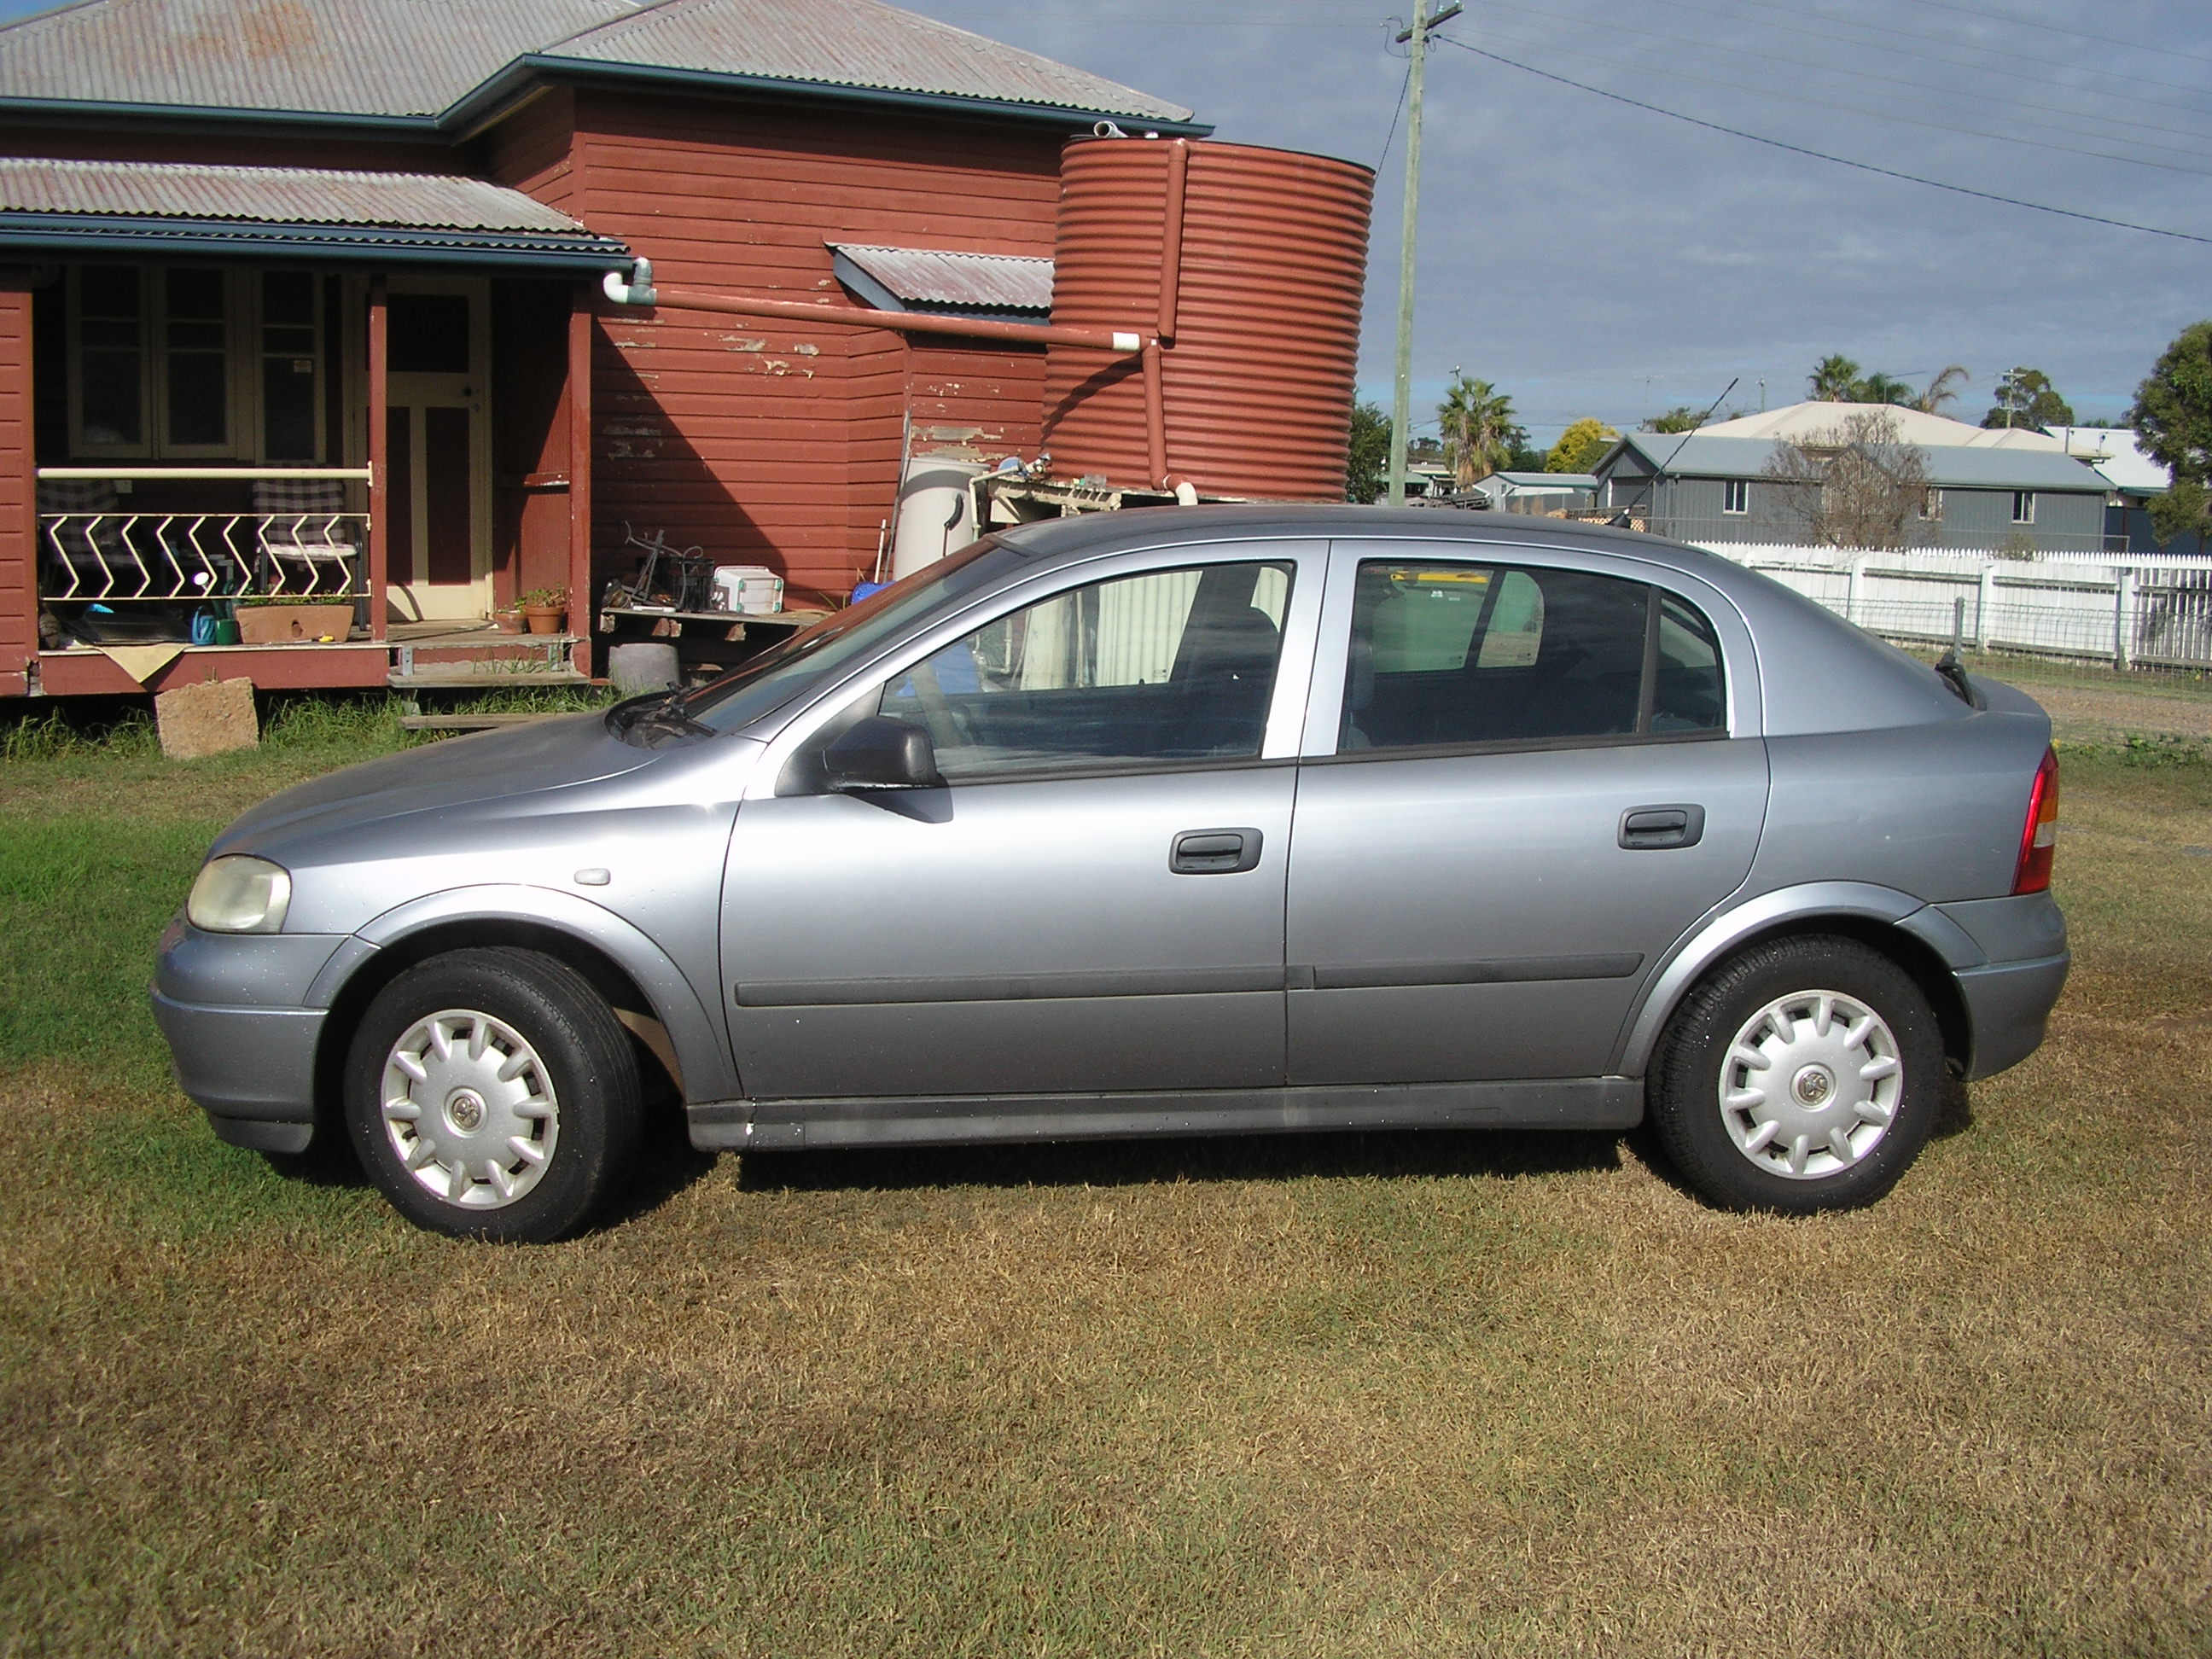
x,y
1491,1153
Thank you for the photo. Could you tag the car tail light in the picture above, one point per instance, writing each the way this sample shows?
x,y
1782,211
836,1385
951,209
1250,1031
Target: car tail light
x,y
2039,837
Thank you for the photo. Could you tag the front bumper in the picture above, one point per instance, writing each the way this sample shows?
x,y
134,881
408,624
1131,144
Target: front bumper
x,y
240,1038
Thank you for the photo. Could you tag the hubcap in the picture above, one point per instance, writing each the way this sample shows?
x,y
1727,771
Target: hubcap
x,y
1811,1085
470,1109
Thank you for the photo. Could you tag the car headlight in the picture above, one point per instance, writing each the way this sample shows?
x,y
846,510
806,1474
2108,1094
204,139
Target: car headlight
x,y
238,895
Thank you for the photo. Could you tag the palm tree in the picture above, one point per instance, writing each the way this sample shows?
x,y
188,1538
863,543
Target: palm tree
x,y
1835,379
1477,428
1940,391
1881,388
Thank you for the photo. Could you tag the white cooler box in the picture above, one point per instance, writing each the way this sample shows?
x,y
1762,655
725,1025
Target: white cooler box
x,y
751,590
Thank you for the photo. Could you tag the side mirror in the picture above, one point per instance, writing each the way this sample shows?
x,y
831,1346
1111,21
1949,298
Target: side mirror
x,y
879,752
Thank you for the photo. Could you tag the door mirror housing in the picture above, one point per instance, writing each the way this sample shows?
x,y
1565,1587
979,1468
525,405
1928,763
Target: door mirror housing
x,y
879,752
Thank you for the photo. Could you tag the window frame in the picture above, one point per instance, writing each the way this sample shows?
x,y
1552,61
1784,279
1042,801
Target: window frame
x,y
2023,507
1736,490
857,691
244,410
1740,692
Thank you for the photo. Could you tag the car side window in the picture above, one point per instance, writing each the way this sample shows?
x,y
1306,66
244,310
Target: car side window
x,y
1165,666
1446,656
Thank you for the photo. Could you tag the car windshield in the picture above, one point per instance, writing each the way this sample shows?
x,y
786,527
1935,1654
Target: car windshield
x,y
764,684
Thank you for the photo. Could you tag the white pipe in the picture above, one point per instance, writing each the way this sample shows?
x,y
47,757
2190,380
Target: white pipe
x,y
638,291
357,473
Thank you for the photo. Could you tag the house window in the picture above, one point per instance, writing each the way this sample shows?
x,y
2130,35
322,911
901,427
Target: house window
x,y
194,364
2023,507
1931,505
1735,495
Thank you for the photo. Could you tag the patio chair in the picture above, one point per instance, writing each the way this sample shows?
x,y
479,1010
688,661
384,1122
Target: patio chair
x,y
303,529
81,523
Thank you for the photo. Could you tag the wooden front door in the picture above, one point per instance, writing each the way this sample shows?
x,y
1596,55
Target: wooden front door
x,y
439,440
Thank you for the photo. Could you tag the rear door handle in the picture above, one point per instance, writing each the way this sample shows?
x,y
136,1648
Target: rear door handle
x,y
1214,852
1649,827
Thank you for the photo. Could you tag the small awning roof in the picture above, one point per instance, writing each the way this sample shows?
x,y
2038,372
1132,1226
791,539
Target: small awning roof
x,y
126,207
931,279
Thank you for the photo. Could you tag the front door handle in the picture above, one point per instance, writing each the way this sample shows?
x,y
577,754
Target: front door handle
x,y
1214,852
1649,828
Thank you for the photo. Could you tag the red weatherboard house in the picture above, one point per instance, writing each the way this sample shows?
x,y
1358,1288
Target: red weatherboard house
x,y
303,298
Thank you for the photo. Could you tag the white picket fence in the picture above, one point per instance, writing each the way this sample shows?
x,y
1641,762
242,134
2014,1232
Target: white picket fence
x,y
2138,613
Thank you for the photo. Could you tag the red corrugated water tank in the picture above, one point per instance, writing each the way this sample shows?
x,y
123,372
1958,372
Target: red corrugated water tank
x,y
1255,293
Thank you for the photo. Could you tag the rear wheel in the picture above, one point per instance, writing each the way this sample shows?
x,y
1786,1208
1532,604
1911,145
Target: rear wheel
x,y
1803,1075
492,1094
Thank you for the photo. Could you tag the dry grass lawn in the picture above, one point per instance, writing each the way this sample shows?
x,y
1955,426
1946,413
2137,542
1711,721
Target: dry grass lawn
x,y
1348,1395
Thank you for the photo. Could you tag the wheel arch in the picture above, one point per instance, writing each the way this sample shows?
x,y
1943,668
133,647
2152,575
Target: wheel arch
x,y
624,966
1920,940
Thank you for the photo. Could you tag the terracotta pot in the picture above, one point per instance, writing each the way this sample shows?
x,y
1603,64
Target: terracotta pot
x,y
507,622
544,619
288,624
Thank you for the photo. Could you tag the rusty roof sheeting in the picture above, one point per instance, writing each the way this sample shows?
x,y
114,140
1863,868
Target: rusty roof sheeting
x,y
852,43
421,57
995,281
271,195
325,57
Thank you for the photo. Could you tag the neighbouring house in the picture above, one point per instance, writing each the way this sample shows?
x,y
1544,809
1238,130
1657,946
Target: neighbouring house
x,y
2117,456
1998,491
303,297
1539,492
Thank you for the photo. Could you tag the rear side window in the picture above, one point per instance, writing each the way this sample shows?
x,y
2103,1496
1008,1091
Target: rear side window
x,y
1456,655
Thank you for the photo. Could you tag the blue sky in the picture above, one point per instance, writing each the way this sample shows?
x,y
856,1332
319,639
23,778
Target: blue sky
x,y
1595,259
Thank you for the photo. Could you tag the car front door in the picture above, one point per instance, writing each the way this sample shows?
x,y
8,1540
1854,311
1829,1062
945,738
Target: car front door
x,y
1525,777
1093,902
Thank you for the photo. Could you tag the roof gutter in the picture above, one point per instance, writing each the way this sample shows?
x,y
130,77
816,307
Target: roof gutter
x,y
138,235
487,103
201,118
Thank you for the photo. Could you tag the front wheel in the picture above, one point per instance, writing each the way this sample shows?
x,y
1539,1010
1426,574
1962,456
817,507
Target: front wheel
x,y
492,1094
1803,1075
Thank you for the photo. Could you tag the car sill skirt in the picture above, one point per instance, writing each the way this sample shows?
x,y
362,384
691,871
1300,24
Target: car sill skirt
x,y
1588,1103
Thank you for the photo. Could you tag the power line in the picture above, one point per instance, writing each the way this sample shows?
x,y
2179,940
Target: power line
x,y
1822,155
2009,104
1906,120
2054,28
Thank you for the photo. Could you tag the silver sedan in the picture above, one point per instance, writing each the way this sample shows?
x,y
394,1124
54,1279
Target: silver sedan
x,y
1180,822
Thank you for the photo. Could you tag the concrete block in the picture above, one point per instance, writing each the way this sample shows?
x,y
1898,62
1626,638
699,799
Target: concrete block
x,y
211,718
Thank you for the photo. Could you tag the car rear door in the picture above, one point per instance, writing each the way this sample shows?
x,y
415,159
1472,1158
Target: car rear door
x,y
1527,770
1093,903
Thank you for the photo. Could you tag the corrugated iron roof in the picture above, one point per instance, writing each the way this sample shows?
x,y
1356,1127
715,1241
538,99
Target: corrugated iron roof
x,y
420,57
173,189
930,277
852,43
1701,455
325,56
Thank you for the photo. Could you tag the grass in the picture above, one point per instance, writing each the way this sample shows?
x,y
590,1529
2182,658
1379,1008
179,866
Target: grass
x,y
1377,1395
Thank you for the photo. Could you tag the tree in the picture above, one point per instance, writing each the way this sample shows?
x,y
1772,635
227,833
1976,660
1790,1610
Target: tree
x,y
1580,446
1834,379
2173,417
1680,418
1367,463
1478,431
2025,398
1881,388
1853,485
1939,391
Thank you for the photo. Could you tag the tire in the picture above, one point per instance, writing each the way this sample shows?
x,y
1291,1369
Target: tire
x,y
460,1149
1853,1081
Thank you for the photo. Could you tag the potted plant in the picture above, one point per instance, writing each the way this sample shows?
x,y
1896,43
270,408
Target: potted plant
x,y
508,618
274,619
544,608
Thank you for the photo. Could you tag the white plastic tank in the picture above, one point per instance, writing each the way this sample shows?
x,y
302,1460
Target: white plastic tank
x,y
936,513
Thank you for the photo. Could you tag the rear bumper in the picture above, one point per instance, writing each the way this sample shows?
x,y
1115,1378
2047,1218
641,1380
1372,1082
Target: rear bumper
x,y
2009,1003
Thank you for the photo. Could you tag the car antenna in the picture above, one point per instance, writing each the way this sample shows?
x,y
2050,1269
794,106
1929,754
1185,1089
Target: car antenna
x,y
1620,521
1950,665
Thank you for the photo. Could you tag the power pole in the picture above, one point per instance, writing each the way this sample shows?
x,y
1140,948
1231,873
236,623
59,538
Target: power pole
x,y
1401,411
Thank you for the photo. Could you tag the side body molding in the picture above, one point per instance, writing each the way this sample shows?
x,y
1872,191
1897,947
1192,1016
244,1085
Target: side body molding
x,y
1808,900
697,1039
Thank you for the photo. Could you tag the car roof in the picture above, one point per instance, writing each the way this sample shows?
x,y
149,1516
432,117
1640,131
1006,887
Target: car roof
x,y
1838,678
